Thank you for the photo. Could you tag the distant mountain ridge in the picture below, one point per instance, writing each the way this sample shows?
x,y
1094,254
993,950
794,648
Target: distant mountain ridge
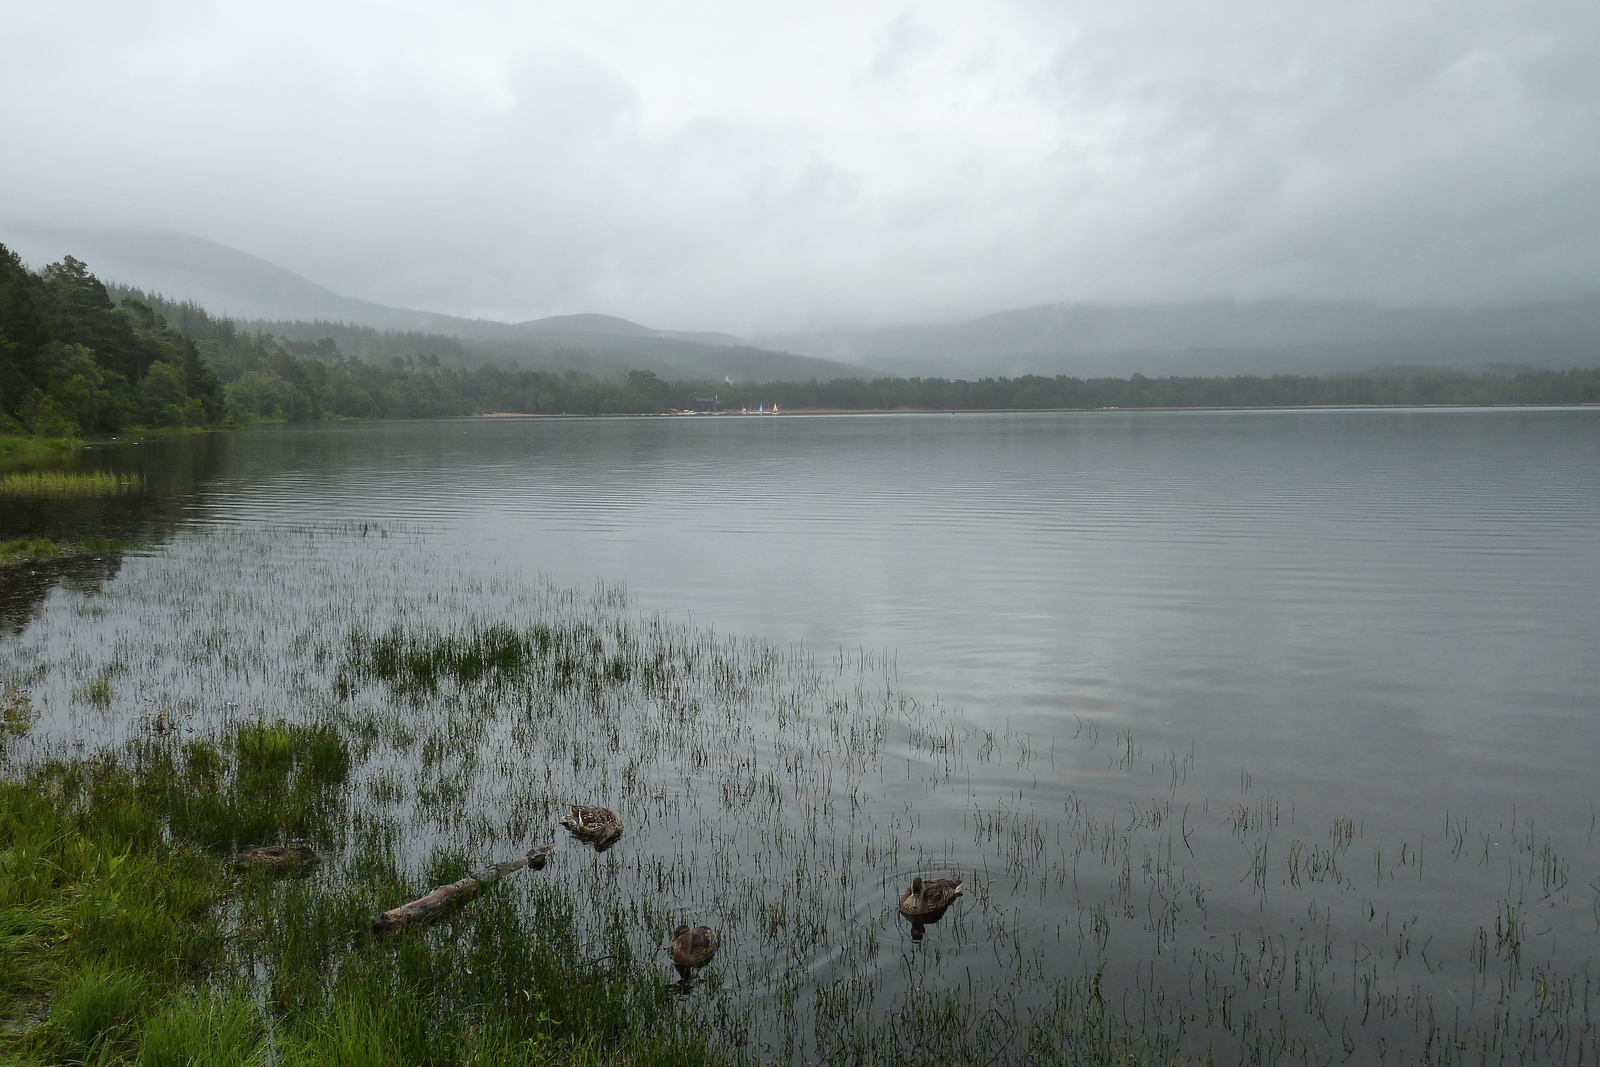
x,y
1221,337
1085,340
612,325
257,292
221,279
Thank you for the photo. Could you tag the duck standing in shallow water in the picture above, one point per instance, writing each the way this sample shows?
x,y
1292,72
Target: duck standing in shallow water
x,y
692,948
926,900
594,824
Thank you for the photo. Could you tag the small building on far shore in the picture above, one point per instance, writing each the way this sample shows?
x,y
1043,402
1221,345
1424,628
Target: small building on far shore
x,y
705,403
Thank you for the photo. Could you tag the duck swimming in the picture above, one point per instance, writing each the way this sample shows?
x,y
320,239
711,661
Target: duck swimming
x,y
594,824
927,899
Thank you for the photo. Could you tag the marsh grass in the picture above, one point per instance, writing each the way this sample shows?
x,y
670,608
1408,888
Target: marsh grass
x,y
125,936
25,550
203,1029
1123,906
107,913
68,483
28,446
267,783
418,663
98,692
16,714
620,703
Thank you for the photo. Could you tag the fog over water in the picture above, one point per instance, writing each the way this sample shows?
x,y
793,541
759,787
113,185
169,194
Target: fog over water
x,y
762,168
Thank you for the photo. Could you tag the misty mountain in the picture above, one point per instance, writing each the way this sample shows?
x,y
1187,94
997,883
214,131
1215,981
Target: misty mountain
x,y
606,355
1205,338
223,280
1220,337
261,295
613,326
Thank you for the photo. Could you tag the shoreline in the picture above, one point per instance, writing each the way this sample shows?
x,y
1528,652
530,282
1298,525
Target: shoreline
x,y
1014,411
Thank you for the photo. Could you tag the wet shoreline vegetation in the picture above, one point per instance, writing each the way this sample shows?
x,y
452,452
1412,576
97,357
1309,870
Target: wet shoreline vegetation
x,y
71,520
408,725
22,550
68,483
127,938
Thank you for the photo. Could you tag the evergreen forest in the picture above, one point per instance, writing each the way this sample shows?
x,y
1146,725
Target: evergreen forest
x,y
72,362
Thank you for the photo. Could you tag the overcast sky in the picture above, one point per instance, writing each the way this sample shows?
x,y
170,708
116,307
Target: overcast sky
x,y
757,165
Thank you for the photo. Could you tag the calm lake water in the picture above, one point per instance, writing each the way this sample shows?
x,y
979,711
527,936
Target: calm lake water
x,y
1389,617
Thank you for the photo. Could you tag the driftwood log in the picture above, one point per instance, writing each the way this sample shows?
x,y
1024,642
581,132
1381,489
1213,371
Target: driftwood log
x,y
429,907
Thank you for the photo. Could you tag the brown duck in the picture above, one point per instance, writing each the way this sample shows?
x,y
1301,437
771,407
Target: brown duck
x,y
274,858
927,899
594,824
692,948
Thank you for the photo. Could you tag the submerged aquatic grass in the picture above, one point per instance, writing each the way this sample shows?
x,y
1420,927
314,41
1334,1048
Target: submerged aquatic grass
x,y
68,483
411,724
25,550
126,936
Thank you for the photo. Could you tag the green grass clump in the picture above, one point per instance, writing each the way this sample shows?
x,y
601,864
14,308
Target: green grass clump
x,y
267,783
565,656
101,914
203,1030
420,662
68,483
24,550
27,550
99,692
21,445
93,1004
16,715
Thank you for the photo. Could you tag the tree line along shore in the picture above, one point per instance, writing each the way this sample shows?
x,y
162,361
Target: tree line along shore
x,y
80,358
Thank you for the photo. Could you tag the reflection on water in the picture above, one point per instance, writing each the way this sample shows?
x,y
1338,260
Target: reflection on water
x,y
1288,708
25,584
919,927
1389,605
172,473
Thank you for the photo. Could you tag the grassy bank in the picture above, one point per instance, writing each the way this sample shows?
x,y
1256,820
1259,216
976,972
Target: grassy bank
x,y
126,936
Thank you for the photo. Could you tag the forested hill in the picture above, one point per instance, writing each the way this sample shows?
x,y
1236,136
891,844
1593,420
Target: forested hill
x,y
271,376
72,362
407,375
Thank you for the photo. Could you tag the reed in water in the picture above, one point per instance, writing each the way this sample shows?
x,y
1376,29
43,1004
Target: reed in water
x,y
409,726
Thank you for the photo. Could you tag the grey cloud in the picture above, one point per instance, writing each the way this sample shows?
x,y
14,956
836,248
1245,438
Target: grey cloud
x,y
936,162
901,42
